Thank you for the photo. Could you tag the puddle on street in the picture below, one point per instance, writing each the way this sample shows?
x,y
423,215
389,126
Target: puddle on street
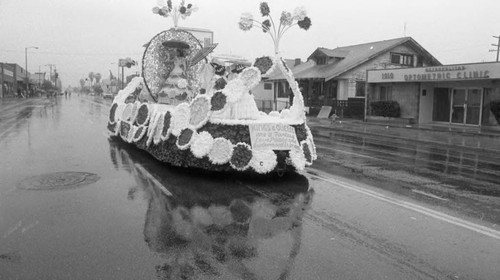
x,y
58,181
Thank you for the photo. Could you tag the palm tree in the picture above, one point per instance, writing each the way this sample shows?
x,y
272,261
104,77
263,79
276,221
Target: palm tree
x,y
97,77
82,83
91,77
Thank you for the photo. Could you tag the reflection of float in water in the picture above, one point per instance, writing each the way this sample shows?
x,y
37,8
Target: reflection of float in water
x,y
211,226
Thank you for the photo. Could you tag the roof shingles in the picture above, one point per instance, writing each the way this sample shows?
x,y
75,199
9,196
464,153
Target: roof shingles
x,y
349,57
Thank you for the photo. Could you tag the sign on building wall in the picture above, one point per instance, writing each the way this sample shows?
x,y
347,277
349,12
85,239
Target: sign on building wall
x,y
459,72
8,73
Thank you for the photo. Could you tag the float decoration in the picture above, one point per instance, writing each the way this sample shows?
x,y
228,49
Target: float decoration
x,y
194,110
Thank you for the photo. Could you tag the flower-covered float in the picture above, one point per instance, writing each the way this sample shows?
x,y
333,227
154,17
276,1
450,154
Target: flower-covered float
x,y
190,109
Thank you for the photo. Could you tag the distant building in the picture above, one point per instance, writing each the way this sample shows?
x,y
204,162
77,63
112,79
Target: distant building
x,y
13,79
205,36
460,94
332,75
265,95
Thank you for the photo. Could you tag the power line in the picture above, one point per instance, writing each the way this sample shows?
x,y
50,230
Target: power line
x,y
78,54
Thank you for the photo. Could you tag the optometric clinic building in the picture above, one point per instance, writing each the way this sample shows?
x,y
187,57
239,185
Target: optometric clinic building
x,y
459,94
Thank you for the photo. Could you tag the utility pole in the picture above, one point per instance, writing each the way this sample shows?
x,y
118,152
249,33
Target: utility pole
x,y
50,73
497,45
26,70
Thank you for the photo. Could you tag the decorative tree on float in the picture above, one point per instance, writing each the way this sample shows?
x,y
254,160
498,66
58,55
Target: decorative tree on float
x,y
287,20
168,10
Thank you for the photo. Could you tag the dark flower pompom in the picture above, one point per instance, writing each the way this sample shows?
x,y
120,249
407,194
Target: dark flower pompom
x,y
169,4
124,130
112,128
166,123
266,25
307,153
112,112
264,9
182,10
305,23
185,136
142,115
241,156
218,101
264,64
219,69
189,6
220,84
138,133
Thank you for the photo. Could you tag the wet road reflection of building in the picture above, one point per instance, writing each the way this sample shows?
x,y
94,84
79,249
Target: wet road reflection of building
x,y
207,226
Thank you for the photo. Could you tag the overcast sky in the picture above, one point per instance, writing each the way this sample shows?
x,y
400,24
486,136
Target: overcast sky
x,y
91,35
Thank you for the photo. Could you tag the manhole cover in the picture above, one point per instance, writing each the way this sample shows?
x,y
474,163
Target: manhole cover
x,y
58,180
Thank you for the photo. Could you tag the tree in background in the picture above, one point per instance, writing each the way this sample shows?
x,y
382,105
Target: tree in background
x,y
97,89
47,85
91,77
97,77
82,83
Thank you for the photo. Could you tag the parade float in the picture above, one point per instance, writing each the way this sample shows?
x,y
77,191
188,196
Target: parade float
x,y
190,109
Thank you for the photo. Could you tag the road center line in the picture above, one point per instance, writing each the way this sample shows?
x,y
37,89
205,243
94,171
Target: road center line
x,y
411,206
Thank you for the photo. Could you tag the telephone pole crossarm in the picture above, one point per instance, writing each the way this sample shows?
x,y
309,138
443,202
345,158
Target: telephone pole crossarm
x,y
496,45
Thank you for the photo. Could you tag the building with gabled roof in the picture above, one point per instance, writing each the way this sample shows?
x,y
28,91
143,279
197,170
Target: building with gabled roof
x,y
331,75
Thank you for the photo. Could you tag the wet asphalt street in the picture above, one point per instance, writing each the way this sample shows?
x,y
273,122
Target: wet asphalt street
x,y
77,205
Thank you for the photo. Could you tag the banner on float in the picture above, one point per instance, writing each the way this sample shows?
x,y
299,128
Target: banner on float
x,y
273,136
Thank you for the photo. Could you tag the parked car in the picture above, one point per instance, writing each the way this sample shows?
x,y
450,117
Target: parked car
x,y
107,95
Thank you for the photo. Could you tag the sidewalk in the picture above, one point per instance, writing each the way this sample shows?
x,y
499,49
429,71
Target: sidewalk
x,y
462,137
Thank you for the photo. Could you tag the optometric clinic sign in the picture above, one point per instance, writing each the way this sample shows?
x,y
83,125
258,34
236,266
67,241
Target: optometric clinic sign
x,y
462,72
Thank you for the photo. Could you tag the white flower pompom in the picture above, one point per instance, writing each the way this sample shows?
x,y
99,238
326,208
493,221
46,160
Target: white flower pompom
x,y
233,90
180,118
221,151
298,159
299,13
158,129
285,114
274,114
182,83
263,161
119,112
250,77
202,144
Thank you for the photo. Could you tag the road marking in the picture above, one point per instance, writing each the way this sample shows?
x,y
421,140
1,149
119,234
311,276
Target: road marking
x,y
12,229
8,129
411,206
28,227
429,194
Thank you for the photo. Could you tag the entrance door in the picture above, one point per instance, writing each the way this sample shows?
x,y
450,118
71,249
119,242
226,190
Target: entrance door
x,y
474,107
466,106
458,106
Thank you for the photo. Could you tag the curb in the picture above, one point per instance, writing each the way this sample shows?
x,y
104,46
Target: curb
x,y
354,131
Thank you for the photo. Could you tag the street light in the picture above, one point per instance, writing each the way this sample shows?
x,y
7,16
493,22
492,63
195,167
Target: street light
x,y
26,60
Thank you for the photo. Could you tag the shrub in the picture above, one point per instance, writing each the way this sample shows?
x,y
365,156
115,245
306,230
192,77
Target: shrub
x,y
495,109
389,109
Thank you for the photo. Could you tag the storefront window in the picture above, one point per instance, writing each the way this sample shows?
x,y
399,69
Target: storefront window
x,y
385,93
491,97
360,88
441,105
